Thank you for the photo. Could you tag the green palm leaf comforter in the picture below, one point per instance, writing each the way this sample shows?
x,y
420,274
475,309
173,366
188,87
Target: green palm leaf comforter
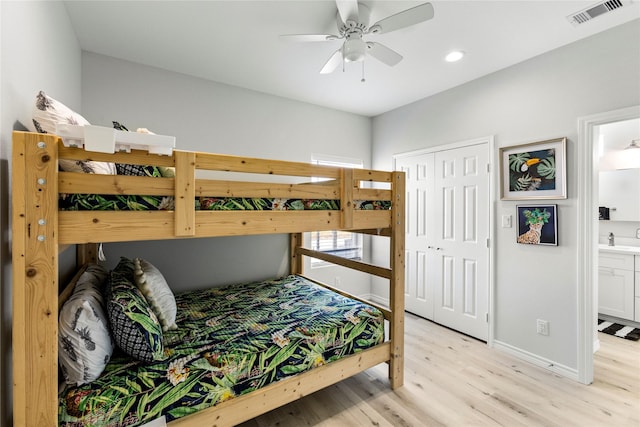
x,y
99,202
230,341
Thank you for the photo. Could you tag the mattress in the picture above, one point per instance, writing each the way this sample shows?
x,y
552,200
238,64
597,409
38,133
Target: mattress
x,y
75,202
230,341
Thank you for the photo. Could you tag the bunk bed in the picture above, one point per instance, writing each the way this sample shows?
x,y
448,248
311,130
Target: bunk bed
x,y
41,231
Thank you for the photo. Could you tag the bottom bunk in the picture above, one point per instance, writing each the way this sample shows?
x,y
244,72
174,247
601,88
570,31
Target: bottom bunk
x,y
227,342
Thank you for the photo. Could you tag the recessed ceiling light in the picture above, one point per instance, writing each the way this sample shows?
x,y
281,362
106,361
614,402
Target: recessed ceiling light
x,y
454,56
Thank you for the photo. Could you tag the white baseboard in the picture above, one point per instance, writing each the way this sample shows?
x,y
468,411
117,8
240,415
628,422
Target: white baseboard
x,y
534,359
377,299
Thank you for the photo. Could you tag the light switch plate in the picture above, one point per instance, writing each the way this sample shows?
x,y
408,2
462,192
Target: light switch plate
x,y
506,221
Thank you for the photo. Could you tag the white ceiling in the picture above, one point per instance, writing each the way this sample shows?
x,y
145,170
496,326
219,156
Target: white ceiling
x,y
237,43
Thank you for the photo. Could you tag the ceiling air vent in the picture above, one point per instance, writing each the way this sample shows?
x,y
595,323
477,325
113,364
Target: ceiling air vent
x,y
595,11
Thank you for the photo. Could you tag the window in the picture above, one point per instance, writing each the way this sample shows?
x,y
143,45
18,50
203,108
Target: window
x,y
341,243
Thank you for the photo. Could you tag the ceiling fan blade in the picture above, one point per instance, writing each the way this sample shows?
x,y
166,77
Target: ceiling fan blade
x,y
403,19
383,54
333,62
309,37
348,10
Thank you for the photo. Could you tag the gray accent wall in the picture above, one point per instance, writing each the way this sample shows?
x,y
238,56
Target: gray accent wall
x,y
538,99
213,117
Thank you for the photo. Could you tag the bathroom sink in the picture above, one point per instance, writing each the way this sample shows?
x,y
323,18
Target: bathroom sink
x,y
620,248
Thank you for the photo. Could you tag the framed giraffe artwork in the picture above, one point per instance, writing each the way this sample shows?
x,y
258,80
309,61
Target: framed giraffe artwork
x,y
536,170
538,224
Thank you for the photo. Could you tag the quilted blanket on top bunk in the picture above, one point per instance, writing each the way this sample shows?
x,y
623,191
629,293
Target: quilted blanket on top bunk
x,y
230,341
83,202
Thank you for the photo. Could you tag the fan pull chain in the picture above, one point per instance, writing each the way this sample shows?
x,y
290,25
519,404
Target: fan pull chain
x,y
362,80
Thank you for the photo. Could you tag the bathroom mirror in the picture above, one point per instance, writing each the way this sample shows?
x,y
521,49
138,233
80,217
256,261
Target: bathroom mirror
x,y
619,193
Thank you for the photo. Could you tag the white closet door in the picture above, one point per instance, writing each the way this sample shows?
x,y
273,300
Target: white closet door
x,y
461,265
419,211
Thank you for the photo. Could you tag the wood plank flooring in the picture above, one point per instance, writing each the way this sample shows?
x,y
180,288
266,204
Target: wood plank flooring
x,y
454,380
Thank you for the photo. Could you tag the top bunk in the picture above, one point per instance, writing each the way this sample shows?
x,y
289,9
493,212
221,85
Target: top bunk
x,y
249,195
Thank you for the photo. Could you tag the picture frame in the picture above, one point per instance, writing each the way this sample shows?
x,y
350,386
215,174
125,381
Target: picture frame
x,y
537,170
537,224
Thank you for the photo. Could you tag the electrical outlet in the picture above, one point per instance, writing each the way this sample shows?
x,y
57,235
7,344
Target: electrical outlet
x,y
638,233
542,327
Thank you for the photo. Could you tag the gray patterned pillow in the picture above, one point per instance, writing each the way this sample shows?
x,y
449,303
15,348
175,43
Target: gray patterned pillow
x,y
156,290
85,345
134,325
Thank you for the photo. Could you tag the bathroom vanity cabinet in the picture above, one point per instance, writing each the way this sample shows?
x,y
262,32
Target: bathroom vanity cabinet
x,y
619,283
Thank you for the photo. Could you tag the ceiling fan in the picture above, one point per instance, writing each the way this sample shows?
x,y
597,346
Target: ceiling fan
x,y
352,19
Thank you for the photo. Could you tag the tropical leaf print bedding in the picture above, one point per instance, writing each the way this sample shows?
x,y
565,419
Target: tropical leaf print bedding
x,y
82,202
230,341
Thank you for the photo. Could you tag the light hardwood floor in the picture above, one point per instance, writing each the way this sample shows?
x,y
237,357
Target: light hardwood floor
x,y
454,380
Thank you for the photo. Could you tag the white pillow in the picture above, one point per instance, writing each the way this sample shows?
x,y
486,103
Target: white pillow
x,y
155,289
87,166
84,343
46,113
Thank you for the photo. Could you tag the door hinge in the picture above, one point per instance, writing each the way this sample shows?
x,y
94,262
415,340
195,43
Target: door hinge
x,y
486,317
488,243
488,168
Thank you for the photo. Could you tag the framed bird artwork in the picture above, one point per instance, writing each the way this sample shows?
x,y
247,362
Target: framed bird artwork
x,y
536,170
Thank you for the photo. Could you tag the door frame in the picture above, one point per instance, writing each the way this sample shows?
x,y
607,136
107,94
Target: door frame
x,y
587,250
492,158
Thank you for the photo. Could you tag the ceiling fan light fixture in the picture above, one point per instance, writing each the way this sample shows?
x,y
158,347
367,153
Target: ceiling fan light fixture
x,y
354,50
454,56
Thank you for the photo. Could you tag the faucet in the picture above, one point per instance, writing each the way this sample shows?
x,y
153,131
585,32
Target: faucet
x,y
611,239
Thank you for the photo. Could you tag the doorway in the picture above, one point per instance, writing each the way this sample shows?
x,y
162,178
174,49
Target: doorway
x,y
619,208
447,235
588,228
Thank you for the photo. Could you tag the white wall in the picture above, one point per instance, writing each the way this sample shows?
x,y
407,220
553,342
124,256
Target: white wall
x,y
536,100
39,51
213,117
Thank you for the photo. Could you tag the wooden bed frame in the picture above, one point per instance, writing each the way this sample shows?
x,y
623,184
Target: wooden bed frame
x,y
41,232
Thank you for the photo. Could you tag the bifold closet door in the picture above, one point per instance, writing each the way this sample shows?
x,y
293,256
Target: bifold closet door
x,y
461,264
419,210
447,227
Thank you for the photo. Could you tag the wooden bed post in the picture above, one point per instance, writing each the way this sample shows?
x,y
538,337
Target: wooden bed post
x,y
295,258
185,193
86,253
35,279
396,292
346,198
